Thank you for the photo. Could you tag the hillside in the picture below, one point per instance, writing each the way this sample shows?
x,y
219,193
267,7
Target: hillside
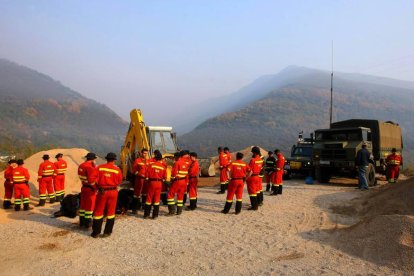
x,y
302,103
39,112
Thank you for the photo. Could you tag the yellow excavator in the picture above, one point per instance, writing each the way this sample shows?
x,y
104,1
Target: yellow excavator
x,y
141,136
153,138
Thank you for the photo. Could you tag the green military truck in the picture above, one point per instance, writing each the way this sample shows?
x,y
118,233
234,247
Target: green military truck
x,y
300,159
335,149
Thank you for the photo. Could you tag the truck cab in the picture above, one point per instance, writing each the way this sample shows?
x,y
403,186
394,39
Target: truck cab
x,y
300,160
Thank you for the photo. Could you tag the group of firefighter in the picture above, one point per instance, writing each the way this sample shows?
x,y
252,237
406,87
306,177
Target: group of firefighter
x,y
51,179
99,192
233,175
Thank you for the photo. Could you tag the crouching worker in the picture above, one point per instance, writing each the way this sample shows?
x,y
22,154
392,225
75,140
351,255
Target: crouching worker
x,y
109,177
156,173
237,172
20,178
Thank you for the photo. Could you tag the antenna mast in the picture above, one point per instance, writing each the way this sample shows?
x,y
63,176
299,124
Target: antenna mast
x,y
330,111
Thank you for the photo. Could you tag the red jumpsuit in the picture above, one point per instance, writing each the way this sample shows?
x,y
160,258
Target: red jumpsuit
x,y
223,162
144,190
59,181
277,178
45,178
155,173
20,178
139,169
393,161
8,184
254,182
238,170
193,173
109,177
88,175
180,175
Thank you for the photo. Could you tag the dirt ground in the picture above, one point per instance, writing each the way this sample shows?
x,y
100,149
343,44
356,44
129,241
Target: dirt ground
x,y
298,233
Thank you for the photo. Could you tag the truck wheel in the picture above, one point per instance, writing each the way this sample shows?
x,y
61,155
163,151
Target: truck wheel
x,y
322,175
372,181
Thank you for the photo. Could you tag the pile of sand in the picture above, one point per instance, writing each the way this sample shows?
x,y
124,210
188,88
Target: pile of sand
x,y
385,233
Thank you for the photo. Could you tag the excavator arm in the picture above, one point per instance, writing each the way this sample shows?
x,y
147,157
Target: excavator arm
x,y
135,140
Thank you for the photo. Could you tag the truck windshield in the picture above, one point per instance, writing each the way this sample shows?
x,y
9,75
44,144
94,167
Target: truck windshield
x,y
354,135
302,151
162,141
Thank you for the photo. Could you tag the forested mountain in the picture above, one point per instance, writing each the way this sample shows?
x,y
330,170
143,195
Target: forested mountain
x,y
37,111
301,102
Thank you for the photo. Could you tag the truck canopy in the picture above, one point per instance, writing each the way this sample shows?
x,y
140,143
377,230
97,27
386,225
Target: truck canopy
x,y
384,135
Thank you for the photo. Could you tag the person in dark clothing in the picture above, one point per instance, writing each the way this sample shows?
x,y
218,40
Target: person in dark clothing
x,y
362,163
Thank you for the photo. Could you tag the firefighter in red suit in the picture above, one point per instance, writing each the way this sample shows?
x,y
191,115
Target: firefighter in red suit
x,y
179,177
223,163
139,169
109,177
156,173
8,184
238,171
394,161
188,164
59,179
88,175
228,154
193,173
46,173
277,180
20,179
254,182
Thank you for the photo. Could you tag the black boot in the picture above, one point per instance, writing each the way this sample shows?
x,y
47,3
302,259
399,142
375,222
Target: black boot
x,y
267,187
51,200
87,223
193,204
7,204
274,190
185,198
171,210
147,210
222,189
260,199
25,206
17,206
155,211
280,189
57,198
253,202
238,207
136,205
42,202
227,207
109,225
96,227
164,198
143,200
81,221
179,210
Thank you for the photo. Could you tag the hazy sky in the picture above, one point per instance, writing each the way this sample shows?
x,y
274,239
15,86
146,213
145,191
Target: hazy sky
x,y
161,56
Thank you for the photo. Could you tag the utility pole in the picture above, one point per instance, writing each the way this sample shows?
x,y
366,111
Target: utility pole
x,y
330,112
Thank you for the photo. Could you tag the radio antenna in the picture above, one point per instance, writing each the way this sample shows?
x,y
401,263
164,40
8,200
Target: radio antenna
x,y
330,111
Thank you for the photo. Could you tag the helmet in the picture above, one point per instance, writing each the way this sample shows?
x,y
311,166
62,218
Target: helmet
x,y
255,150
90,156
110,156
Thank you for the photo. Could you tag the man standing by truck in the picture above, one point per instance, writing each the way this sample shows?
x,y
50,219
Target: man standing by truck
x,y
362,163
394,161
